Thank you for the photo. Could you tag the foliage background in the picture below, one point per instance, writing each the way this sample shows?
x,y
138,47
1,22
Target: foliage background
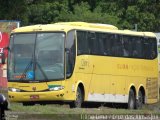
x,y
122,13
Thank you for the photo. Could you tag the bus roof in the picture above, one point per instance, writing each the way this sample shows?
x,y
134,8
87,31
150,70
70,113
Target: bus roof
x,y
90,25
67,26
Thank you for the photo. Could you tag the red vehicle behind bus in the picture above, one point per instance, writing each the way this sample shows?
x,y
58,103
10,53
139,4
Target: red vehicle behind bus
x,y
6,26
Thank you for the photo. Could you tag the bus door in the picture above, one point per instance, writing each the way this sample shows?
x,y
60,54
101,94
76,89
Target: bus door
x,y
70,56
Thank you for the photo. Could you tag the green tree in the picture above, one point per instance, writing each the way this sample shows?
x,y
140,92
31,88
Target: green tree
x,y
122,13
14,10
44,12
83,12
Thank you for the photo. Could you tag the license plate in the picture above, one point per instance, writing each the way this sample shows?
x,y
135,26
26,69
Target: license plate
x,y
33,97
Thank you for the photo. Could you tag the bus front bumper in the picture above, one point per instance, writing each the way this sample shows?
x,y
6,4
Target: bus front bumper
x,y
36,96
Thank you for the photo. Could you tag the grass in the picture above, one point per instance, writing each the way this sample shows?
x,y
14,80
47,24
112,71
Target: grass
x,y
64,109
58,112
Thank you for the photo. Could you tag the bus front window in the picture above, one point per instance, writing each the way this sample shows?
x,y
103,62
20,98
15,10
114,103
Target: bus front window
x,y
36,56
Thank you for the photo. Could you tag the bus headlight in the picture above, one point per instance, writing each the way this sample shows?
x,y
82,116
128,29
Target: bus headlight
x,y
14,89
56,88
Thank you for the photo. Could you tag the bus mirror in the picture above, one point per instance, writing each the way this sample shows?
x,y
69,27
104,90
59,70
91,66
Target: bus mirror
x,y
2,55
67,50
2,58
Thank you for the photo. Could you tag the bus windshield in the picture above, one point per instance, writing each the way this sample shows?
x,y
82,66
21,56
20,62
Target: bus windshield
x,y
36,56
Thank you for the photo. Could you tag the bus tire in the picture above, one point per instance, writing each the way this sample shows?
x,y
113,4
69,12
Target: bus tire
x,y
131,100
139,103
79,99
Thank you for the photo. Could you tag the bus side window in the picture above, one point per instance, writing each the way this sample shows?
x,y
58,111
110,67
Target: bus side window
x,y
127,46
153,48
96,43
147,48
117,49
101,44
93,43
82,43
150,49
137,47
107,44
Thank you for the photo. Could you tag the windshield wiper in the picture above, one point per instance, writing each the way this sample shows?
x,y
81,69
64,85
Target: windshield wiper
x,y
28,66
26,69
42,71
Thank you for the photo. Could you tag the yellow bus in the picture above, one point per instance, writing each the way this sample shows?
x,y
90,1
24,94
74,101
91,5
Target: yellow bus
x,y
77,62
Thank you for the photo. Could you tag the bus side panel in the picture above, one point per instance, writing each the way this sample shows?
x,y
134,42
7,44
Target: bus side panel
x,y
112,78
83,72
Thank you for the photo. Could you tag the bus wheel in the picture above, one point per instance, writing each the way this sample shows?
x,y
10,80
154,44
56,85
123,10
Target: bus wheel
x,y
79,99
131,100
140,100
